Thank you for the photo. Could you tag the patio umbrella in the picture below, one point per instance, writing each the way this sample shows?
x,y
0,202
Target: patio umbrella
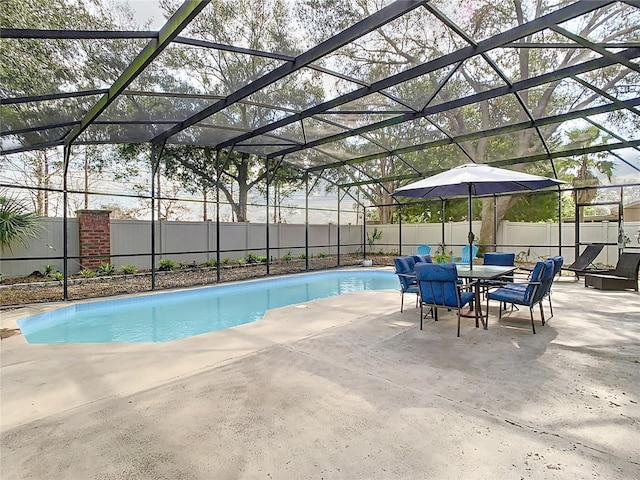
x,y
474,179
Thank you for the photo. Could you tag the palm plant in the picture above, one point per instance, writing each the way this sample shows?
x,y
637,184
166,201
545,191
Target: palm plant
x,y
16,223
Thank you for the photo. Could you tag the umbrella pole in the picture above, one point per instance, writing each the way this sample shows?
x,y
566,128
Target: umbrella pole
x,y
471,235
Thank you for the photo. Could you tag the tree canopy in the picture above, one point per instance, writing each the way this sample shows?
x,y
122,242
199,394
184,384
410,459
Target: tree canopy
x,y
368,94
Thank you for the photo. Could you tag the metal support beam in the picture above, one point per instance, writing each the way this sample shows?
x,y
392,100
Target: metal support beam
x,y
496,41
29,33
488,133
180,19
306,222
52,96
156,153
65,224
469,100
378,19
266,223
596,48
364,232
400,230
560,221
604,94
217,216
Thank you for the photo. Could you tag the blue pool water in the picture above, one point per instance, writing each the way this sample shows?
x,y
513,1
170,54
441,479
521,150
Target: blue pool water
x,y
169,316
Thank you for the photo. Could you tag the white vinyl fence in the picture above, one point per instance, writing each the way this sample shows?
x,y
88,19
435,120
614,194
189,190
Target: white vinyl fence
x,y
196,241
526,240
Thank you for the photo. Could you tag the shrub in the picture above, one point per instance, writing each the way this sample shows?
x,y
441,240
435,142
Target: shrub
x,y
251,258
211,262
17,224
128,269
241,261
373,237
302,256
48,269
59,276
86,273
167,265
262,258
287,257
322,255
183,265
105,269
226,261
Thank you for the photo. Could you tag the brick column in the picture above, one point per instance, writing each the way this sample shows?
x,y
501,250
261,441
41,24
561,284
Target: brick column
x,y
95,237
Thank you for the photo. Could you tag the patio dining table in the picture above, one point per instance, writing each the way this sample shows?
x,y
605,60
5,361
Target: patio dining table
x,y
480,273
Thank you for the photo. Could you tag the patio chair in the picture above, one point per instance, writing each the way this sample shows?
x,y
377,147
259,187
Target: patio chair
x,y
405,270
422,258
584,263
439,288
623,277
531,295
499,258
557,265
464,257
423,249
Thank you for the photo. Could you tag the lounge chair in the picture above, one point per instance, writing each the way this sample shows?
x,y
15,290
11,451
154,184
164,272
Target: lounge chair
x,y
439,288
464,257
584,263
533,293
405,270
625,275
423,249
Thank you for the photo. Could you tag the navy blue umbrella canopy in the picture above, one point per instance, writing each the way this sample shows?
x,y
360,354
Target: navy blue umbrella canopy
x,y
474,179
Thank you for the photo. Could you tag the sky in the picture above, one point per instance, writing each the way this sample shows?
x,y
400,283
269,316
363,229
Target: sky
x,y
145,10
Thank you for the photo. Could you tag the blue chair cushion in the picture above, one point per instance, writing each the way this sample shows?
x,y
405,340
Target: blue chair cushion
x,y
558,261
525,294
422,258
508,295
502,259
439,285
536,276
412,288
499,258
406,266
546,279
466,297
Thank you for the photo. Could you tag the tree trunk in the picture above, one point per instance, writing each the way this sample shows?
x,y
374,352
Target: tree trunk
x,y
487,237
386,212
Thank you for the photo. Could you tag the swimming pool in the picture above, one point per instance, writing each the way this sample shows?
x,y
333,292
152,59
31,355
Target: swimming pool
x,y
168,316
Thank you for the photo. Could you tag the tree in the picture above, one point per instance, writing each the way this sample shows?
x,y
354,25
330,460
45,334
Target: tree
x,y
582,171
118,211
285,182
17,224
250,24
37,66
418,37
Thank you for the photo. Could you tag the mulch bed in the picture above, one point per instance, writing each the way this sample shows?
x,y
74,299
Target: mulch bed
x,y
36,289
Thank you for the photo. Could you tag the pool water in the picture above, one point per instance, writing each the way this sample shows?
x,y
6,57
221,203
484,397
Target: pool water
x,y
169,316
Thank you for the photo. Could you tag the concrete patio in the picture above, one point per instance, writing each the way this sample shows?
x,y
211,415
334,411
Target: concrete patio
x,y
341,388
